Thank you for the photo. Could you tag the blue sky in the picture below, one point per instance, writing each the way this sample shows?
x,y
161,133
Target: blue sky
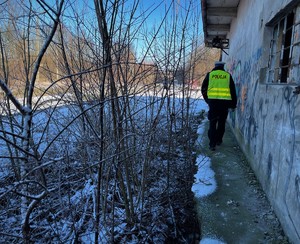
x,y
147,20
167,10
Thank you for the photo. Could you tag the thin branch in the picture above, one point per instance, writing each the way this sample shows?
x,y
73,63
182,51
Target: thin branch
x,y
41,55
12,98
16,146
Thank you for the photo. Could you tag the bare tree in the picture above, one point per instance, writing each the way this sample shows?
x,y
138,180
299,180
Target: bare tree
x,y
29,156
89,125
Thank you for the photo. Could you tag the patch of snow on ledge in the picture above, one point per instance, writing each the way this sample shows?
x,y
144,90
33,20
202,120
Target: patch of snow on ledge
x,y
205,182
210,241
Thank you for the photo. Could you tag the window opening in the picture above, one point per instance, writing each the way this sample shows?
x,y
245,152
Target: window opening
x,y
281,50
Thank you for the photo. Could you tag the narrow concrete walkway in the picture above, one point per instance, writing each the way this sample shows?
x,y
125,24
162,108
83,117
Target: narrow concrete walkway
x,y
238,210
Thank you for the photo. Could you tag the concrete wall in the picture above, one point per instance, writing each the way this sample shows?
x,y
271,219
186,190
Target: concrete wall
x,y
267,120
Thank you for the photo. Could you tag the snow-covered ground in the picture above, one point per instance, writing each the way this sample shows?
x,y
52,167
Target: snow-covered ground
x,y
48,125
205,182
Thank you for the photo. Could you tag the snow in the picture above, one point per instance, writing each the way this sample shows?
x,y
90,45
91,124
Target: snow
x,y
205,182
210,241
204,185
86,192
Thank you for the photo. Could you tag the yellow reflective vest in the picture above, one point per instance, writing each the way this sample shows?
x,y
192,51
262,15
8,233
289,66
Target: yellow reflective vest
x,y
219,85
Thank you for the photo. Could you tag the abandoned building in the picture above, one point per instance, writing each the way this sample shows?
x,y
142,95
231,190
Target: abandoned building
x,y
260,42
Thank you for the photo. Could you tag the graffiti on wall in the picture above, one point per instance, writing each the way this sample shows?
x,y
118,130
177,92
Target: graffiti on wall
x,y
291,186
256,109
246,74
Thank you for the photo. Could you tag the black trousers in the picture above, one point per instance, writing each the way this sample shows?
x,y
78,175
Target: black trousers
x,y
217,119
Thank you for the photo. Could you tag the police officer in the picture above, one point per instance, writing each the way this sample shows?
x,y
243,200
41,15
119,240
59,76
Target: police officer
x,y
218,91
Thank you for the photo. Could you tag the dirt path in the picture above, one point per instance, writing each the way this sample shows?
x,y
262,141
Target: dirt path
x,y
238,210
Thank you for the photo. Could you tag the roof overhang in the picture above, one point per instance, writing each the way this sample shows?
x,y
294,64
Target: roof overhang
x,y
217,16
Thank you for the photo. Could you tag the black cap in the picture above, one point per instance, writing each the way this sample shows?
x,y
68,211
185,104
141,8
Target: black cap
x,y
219,63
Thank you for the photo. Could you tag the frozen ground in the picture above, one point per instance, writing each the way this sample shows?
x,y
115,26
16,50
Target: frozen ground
x,y
232,207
